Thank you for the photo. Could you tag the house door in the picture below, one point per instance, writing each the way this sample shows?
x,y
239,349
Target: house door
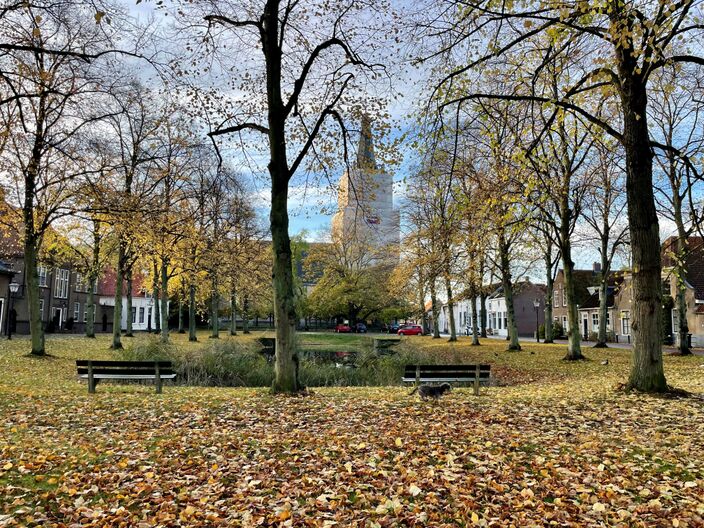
x,y
57,317
585,322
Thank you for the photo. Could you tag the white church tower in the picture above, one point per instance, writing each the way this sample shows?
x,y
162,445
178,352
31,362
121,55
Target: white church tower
x,y
366,211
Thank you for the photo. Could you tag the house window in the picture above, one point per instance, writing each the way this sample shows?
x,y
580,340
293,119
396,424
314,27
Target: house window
x,y
42,272
85,315
626,323
76,311
595,321
61,286
83,283
141,315
565,327
608,320
557,298
564,298
134,314
41,309
505,321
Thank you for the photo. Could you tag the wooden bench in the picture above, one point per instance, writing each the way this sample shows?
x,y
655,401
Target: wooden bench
x,y
475,374
94,371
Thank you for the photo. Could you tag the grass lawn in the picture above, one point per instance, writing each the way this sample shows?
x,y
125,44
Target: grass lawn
x,y
556,444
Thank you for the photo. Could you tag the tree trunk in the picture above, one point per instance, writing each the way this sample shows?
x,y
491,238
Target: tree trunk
x,y
603,288
214,309
90,309
475,326
180,313
451,310
421,302
647,372
680,276
507,284
482,311
117,312
603,313
155,295
128,274
549,293
32,280
165,300
192,313
286,359
233,314
31,237
93,279
245,315
436,311
574,350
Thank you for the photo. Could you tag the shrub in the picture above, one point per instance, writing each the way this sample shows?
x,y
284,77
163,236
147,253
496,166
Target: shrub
x,y
233,363
227,363
557,329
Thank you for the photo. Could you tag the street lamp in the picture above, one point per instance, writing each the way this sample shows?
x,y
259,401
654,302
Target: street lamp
x,y
536,304
14,288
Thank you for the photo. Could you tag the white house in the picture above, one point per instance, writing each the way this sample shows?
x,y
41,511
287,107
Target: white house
x,y
462,310
143,312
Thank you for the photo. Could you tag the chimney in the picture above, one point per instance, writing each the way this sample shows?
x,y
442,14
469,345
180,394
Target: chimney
x,y
596,267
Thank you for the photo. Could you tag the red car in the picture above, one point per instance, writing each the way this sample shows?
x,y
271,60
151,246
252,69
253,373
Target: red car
x,y
410,330
343,329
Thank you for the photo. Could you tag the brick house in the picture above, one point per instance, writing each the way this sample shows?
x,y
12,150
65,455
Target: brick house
x,y
7,319
63,299
583,281
524,295
589,310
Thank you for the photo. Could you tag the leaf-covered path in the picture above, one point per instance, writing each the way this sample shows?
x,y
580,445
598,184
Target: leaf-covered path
x,y
565,449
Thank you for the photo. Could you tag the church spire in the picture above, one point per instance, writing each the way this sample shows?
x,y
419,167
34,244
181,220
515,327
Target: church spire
x,y
365,148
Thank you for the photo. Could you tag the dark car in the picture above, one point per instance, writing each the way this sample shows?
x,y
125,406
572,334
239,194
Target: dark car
x,y
393,328
410,329
360,328
343,329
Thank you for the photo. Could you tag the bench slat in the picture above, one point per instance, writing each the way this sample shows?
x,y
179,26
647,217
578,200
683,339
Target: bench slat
x,y
133,376
441,375
84,363
120,371
447,367
439,380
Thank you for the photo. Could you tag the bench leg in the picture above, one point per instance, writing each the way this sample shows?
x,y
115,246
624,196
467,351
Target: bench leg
x,y
91,379
476,380
157,378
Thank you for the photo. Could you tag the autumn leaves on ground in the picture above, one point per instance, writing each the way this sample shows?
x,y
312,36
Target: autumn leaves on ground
x,y
555,444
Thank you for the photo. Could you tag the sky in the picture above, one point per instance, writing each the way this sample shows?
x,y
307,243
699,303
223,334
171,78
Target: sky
x,y
313,202
311,205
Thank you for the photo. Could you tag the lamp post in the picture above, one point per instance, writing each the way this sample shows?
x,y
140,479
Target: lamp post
x,y
536,305
14,288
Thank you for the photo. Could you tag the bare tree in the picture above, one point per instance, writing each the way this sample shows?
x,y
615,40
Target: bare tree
x,y
603,211
676,113
51,107
622,44
310,72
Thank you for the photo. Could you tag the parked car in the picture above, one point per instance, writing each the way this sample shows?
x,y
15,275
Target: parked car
x,y
343,329
410,330
360,328
393,328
